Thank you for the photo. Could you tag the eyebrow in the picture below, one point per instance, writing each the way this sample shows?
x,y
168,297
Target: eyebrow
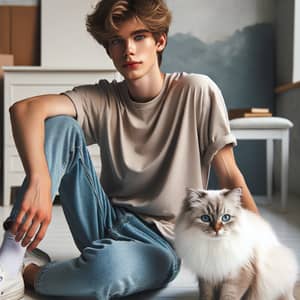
x,y
139,31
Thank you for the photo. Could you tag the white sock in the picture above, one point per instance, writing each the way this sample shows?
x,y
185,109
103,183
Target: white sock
x,y
11,255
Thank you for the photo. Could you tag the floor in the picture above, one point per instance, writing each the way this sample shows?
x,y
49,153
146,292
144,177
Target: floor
x,y
58,244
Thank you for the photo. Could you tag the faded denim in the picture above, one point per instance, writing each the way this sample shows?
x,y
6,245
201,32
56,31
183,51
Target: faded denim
x,y
120,254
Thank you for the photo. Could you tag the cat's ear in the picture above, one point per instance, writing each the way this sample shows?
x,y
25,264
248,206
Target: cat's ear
x,y
193,196
195,193
235,194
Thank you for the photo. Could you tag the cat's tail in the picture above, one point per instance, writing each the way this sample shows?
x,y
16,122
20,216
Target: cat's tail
x,y
276,273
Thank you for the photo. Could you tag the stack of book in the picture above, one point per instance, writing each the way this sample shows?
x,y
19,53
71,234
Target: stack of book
x,y
249,112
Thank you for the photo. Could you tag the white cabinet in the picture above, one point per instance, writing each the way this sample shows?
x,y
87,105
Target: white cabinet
x,y
24,82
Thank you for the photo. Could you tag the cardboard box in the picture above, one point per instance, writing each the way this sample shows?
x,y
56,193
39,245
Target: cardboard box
x,y
4,29
5,60
20,34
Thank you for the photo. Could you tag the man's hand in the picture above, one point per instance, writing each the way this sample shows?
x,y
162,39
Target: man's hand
x,y
36,207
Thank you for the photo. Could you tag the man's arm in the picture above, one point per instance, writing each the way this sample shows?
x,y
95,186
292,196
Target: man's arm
x,y
229,175
27,118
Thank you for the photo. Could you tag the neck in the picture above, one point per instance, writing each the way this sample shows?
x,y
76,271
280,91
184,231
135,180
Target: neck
x,y
145,88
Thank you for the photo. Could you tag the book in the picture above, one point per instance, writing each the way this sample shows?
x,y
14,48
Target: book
x,y
248,115
250,110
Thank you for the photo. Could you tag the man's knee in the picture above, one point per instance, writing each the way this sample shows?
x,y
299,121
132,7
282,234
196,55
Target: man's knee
x,y
60,123
61,128
119,268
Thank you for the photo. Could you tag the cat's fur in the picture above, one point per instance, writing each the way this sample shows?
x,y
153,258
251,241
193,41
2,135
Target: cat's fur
x,y
237,259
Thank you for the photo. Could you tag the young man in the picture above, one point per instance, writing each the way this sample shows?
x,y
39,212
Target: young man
x,y
158,134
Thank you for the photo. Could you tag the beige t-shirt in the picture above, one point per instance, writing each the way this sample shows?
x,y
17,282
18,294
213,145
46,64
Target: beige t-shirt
x,y
150,152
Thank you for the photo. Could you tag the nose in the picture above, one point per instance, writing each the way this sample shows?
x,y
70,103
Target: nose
x,y
129,47
217,226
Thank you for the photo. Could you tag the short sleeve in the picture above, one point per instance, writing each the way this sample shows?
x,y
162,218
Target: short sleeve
x,y
90,102
213,126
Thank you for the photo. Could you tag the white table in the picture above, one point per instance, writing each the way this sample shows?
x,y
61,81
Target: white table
x,y
268,129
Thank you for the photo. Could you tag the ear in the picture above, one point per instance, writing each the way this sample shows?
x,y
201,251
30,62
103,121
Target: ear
x,y
194,196
161,42
235,194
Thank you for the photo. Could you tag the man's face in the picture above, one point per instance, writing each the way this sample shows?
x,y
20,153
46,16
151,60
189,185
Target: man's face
x,y
134,50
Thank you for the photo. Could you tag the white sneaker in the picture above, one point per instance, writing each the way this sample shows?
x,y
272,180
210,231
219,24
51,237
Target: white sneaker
x,y
11,288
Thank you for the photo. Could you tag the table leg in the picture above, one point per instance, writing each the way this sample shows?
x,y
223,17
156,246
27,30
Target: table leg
x,y
270,160
284,168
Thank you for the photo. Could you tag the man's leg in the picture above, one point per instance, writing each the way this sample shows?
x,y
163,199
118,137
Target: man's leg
x,y
120,254
72,175
85,204
133,258
64,147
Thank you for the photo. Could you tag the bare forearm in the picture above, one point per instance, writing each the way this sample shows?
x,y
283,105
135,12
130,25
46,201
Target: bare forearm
x,y
230,176
28,131
237,180
28,124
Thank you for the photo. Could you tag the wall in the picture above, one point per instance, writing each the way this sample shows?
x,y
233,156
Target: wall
x,y
232,42
65,41
288,106
284,41
296,71
287,41
288,71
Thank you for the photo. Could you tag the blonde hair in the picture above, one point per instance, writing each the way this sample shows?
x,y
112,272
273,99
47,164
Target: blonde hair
x,y
108,16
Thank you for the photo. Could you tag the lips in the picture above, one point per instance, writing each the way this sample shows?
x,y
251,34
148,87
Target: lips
x,y
131,64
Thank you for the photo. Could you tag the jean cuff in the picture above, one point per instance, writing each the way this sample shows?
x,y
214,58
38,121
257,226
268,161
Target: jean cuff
x,y
39,278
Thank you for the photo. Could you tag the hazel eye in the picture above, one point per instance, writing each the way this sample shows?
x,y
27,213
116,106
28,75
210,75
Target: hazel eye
x,y
205,218
226,218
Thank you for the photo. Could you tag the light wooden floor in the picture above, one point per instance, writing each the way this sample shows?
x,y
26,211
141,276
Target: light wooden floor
x,y
59,245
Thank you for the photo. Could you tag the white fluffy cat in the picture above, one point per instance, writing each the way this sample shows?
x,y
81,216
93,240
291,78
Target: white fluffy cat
x,y
234,252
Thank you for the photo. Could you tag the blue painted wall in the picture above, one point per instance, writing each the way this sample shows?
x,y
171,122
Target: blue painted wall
x,y
242,64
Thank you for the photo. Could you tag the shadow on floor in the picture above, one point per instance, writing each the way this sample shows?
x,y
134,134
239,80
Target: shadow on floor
x,y
140,296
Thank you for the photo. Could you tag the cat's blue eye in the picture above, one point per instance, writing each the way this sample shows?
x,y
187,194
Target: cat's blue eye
x,y
226,218
205,218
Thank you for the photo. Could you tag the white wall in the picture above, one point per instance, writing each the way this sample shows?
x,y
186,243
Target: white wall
x,y
288,70
296,70
64,40
287,41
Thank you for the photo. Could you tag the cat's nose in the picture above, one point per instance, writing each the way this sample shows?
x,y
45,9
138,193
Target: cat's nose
x,y
217,226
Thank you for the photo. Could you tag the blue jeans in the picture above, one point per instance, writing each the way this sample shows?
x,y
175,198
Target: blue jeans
x,y
120,254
